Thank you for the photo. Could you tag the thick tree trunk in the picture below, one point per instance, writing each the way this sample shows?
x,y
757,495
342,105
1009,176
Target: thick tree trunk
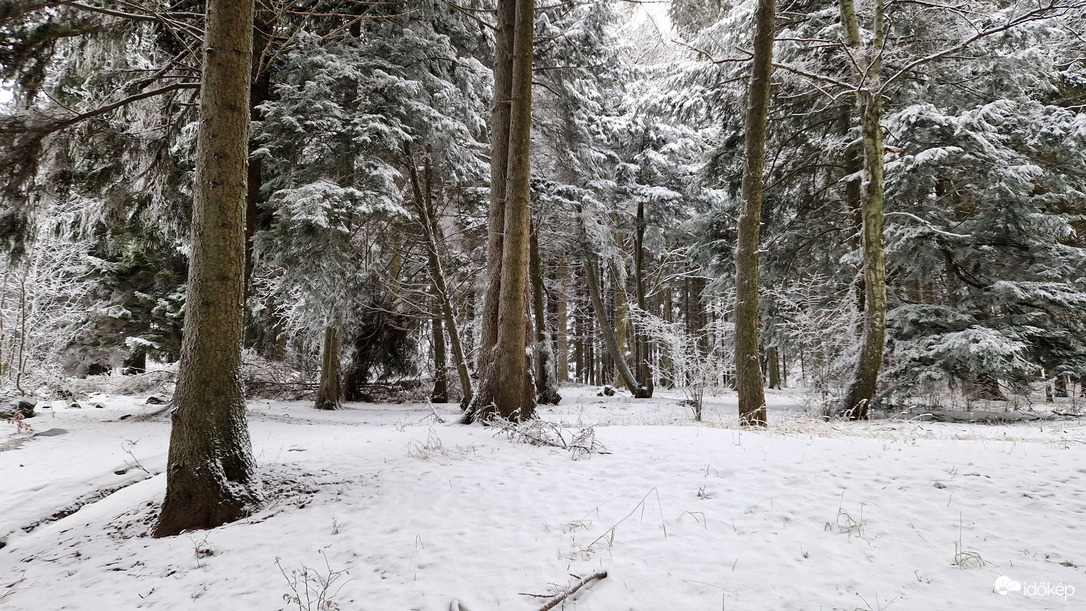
x,y
861,390
506,386
500,115
328,389
546,379
625,375
748,377
441,384
210,473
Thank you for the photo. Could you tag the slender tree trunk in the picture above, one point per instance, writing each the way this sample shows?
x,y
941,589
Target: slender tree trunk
x,y
861,390
427,219
580,351
506,386
259,92
1061,385
696,320
441,385
623,369
784,368
667,363
210,473
546,379
328,389
561,332
642,356
622,324
748,378
773,366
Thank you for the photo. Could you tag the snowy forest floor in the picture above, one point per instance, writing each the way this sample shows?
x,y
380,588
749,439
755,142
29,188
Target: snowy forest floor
x,y
403,512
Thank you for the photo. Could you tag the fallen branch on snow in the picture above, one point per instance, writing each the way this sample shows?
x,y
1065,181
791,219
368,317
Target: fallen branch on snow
x,y
542,433
556,599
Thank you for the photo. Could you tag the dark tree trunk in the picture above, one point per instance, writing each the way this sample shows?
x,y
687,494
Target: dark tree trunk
x,y
135,364
328,390
506,388
667,363
610,340
259,92
773,367
641,343
984,387
427,219
441,384
210,473
499,172
561,305
546,378
748,378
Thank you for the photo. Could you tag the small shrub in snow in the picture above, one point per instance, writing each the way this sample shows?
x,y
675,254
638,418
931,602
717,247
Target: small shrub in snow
x,y
21,425
311,589
430,449
579,443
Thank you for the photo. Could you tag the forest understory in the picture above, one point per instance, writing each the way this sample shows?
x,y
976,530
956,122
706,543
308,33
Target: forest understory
x,y
478,304
395,506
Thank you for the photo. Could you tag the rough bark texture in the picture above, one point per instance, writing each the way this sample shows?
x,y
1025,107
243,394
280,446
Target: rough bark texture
x,y
328,389
861,390
506,388
499,170
748,375
210,475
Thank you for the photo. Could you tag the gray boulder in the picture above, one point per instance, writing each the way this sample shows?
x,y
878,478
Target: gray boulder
x,y
10,405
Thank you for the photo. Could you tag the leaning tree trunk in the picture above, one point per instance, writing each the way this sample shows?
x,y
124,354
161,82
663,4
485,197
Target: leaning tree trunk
x,y
427,217
328,389
505,389
625,374
210,473
748,375
861,390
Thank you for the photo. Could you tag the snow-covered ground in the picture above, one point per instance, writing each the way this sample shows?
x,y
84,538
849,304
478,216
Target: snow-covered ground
x,y
404,512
